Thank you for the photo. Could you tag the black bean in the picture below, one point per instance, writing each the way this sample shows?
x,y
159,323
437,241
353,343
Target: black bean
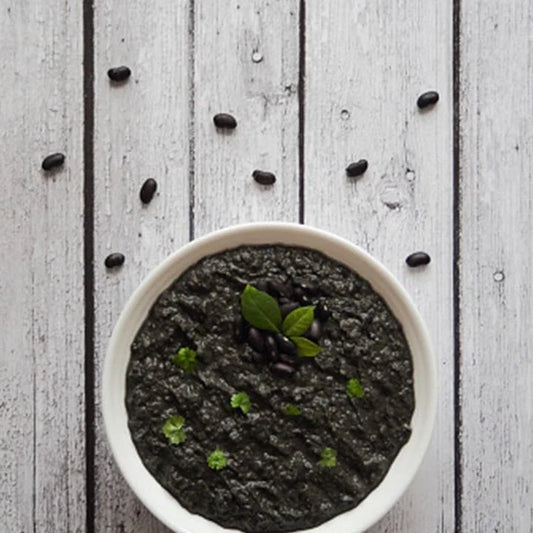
x,y
264,178
241,329
315,330
53,161
225,121
283,369
119,73
114,260
282,300
285,344
148,190
288,307
322,312
256,340
290,359
357,168
277,288
271,347
300,295
428,98
307,286
257,357
418,259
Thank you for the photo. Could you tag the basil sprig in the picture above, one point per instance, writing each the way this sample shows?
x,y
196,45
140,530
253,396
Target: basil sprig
x,y
263,312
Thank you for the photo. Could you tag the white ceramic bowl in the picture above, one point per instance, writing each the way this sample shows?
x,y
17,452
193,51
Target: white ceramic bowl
x,y
156,498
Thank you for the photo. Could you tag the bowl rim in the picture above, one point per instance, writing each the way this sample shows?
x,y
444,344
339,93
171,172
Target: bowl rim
x,y
160,502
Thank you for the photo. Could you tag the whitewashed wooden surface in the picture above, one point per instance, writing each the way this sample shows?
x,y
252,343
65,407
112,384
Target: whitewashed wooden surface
x,y
332,82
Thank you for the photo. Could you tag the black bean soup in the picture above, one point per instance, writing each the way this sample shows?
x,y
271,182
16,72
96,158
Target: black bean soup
x,y
252,428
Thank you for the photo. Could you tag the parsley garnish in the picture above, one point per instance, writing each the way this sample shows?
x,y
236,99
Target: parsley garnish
x,y
242,400
185,359
173,431
291,410
328,458
354,388
217,460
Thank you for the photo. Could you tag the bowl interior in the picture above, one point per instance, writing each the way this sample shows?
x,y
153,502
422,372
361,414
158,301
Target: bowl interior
x,y
404,467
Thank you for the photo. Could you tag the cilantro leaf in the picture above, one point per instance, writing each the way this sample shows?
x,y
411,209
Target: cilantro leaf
x,y
185,359
354,388
260,309
172,429
298,321
291,410
216,460
328,457
242,400
306,348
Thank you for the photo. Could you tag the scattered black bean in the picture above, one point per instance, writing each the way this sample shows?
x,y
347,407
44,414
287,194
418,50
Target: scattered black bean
x,y
315,330
114,260
53,161
322,312
283,369
264,178
418,259
256,340
119,73
225,121
288,307
428,98
285,344
357,168
282,300
148,190
257,357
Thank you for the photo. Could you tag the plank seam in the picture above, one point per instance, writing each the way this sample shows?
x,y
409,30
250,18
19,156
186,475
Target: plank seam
x,y
458,422
88,257
192,146
301,113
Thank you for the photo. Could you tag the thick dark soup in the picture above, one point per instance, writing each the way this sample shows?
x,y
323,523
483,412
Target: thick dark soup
x,y
255,430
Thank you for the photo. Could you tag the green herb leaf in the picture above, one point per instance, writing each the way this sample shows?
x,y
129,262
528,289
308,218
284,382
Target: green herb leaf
x,y
260,309
185,359
241,400
173,431
291,410
354,388
306,348
217,460
328,458
298,321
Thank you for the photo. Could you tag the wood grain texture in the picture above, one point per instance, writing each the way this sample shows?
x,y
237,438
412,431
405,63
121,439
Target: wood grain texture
x,y
263,96
42,443
495,266
366,64
141,131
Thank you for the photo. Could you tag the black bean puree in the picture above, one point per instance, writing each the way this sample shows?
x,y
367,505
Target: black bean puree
x,y
273,481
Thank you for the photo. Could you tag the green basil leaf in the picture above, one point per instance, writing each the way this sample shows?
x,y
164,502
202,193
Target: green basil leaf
x,y
298,321
354,388
260,309
306,348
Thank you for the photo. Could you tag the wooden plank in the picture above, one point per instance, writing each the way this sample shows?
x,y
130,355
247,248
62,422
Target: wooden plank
x,y
261,91
42,443
366,64
496,256
141,131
